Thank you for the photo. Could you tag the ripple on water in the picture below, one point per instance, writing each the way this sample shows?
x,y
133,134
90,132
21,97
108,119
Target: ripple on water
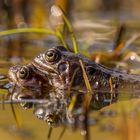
x,y
4,66
108,113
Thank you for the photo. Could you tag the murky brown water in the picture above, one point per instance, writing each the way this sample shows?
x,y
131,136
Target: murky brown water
x,y
120,121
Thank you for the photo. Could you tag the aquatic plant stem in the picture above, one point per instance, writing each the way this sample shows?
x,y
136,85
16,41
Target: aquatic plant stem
x,y
88,86
27,30
15,116
49,132
60,36
35,30
68,25
62,133
75,46
86,103
57,11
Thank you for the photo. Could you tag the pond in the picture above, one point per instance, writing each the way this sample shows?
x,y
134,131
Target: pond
x,y
118,121
96,37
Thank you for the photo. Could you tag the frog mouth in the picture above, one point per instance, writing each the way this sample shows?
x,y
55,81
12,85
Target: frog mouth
x,y
12,77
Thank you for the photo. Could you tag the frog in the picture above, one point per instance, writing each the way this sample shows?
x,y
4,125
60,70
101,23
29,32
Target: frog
x,y
57,76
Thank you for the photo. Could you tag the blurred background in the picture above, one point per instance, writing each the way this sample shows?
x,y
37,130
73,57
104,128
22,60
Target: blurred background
x,y
107,32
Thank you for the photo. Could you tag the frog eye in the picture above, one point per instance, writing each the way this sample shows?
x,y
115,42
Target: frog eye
x,y
23,73
51,56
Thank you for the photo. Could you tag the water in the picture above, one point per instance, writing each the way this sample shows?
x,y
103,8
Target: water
x,y
120,121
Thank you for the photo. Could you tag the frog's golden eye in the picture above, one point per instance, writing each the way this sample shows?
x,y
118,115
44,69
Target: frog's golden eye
x,y
23,73
51,56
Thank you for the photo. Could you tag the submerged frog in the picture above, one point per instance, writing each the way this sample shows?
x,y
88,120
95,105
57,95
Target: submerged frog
x,y
26,84
56,75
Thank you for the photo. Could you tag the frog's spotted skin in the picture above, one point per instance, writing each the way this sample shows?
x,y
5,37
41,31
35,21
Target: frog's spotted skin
x,y
102,79
56,75
30,87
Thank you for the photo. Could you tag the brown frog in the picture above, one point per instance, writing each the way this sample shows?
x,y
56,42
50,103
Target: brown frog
x,y
63,70
29,83
56,75
26,84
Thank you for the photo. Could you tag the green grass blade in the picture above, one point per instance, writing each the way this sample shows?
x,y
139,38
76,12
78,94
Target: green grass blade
x,y
60,36
85,77
75,46
69,27
35,30
88,96
27,30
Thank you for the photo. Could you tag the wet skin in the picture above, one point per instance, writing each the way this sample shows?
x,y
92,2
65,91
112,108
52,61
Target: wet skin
x,y
27,84
56,75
